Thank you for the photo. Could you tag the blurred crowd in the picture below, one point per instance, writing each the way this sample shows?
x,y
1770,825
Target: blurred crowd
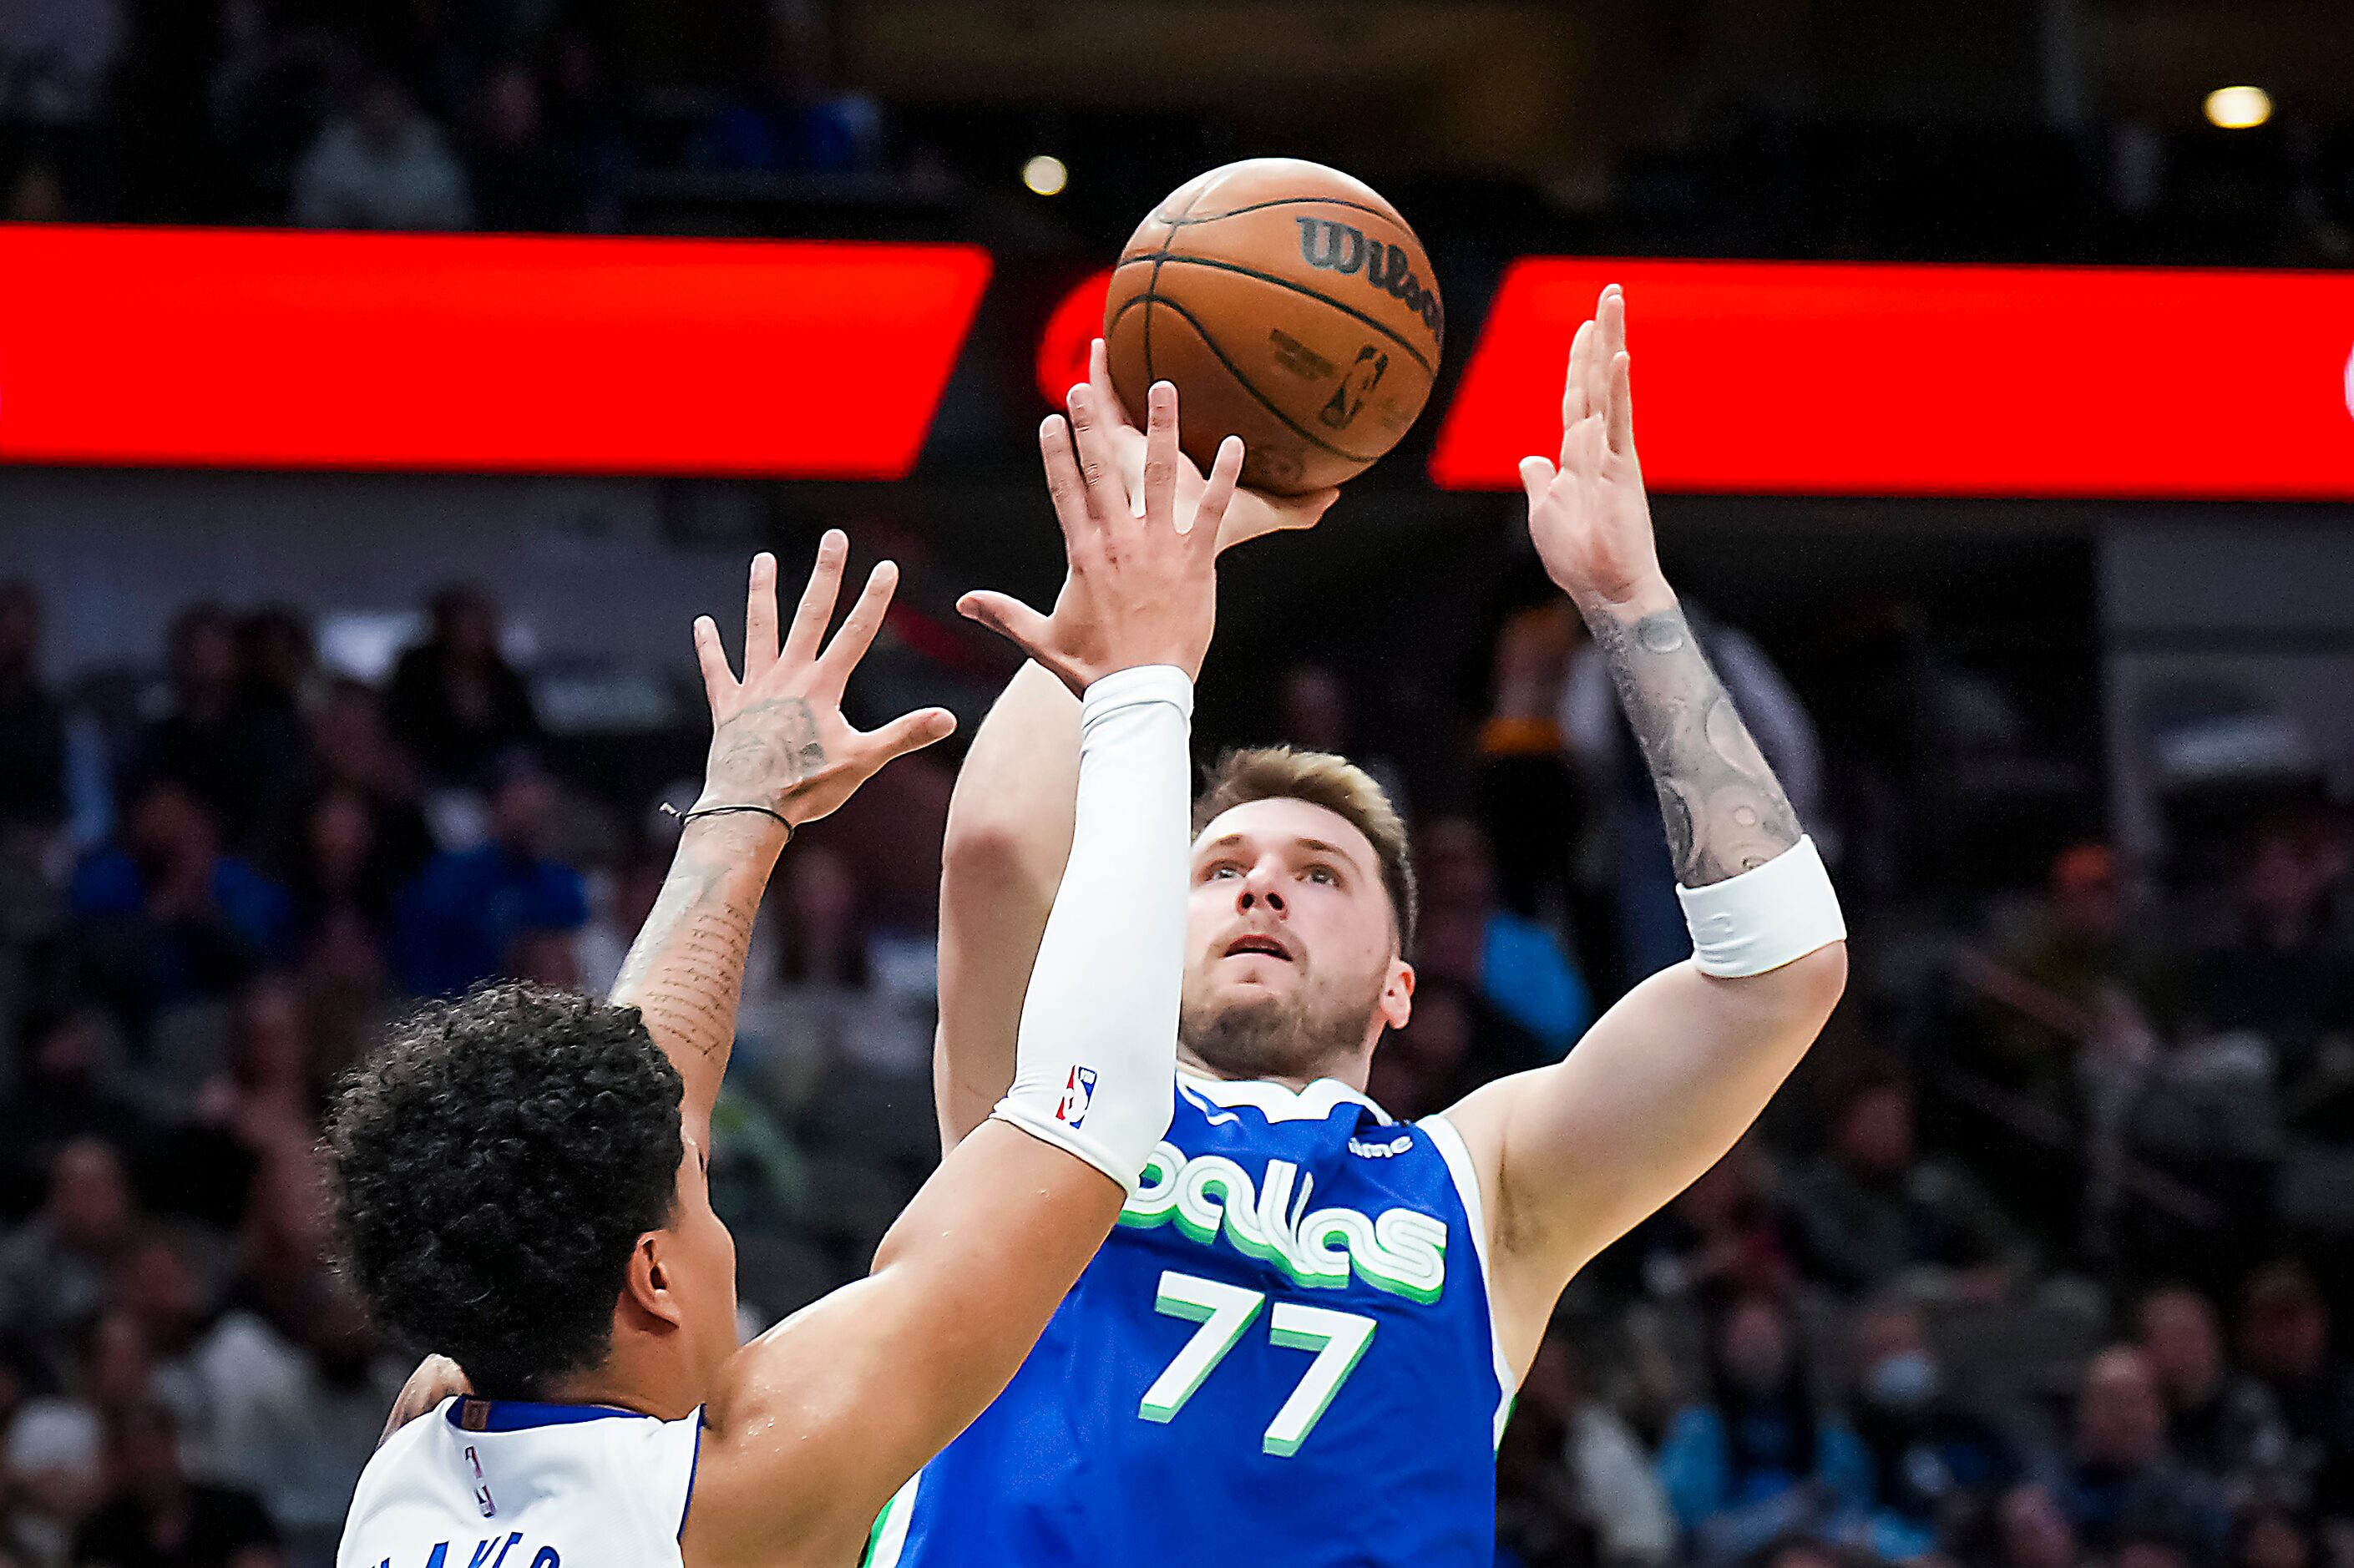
x,y
2037,1264
499,114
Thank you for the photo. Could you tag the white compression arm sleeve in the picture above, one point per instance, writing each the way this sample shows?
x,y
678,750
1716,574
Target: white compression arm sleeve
x,y
1096,1068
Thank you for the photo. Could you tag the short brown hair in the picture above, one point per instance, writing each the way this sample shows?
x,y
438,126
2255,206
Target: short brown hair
x,y
1335,783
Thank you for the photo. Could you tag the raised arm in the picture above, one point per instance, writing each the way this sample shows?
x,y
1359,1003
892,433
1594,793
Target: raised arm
x,y
781,755
824,1417
1572,1156
1010,818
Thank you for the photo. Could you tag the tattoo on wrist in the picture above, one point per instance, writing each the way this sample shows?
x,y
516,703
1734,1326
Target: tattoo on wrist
x,y
1723,809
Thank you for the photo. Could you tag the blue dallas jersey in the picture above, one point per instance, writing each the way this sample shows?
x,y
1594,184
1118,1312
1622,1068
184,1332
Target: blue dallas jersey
x,y
1283,1354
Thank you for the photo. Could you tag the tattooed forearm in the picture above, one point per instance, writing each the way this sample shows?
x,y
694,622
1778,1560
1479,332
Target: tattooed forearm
x,y
686,972
1725,812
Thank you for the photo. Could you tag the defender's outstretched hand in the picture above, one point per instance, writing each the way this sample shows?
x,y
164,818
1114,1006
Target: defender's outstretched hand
x,y
777,737
1252,512
1140,590
1587,514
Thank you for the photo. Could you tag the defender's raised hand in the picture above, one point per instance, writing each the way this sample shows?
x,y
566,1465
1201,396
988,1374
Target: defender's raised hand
x,y
1251,515
1141,590
1588,515
777,737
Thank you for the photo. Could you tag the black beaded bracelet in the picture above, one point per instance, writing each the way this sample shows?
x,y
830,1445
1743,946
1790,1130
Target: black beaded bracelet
x,y
685,817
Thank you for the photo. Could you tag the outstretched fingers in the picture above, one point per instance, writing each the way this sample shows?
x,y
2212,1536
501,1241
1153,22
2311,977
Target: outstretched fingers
x,y
1573,381
909,732
1160,456
1622,406
858,629
1226,473
1010,619
719,680
1065,487
1106,497
760,616
816,608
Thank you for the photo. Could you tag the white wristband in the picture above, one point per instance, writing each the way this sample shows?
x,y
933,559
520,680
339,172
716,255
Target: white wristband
x,y
1769,916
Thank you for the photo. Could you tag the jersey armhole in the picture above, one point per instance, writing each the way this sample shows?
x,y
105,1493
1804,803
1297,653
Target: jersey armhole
x,y
1465,1175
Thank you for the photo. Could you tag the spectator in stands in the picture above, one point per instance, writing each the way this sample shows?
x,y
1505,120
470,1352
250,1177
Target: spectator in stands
x,y
235,758
2284,1345
1528,796
1937,1466
2284,973
169,914
63,1093
299,1409
455,701
2031,1532
1456,1041
384,165
2225,1426
352,749
1523,968
57,1268
1721,1237
57,61
1314,712
1873,1210
2269,1535
158,1285
152,1516
277,662
56,1474
32,726
342,887
524,180
2120,1482
1574,1484
1757,1460
458,922
269,1095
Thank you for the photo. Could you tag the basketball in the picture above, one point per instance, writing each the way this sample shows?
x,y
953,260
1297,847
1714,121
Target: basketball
x,y
1291,306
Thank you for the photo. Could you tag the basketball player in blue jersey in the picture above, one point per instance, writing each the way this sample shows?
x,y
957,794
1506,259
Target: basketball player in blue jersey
x,y
522,1174
1299,1345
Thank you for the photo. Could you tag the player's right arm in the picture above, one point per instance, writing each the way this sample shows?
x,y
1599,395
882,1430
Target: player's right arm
x,y
821,1420
1009,826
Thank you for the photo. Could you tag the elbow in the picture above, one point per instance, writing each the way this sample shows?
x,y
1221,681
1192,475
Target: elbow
x,y
1815,983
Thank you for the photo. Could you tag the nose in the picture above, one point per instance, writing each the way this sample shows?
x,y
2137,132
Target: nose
x,y
1262,885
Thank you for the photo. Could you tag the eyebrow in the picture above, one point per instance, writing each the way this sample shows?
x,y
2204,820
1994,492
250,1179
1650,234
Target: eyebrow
x,y
1314,846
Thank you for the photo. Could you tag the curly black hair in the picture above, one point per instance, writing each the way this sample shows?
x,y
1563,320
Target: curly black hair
x,y
495,1162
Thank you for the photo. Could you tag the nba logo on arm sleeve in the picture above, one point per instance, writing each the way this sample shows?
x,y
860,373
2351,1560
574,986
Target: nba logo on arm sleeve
x,y
1078,1093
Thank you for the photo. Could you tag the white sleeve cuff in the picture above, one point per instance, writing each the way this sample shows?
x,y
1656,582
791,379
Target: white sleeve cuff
x,y
1769,916
1138,683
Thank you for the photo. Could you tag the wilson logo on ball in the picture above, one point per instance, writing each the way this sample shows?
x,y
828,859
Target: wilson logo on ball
x,y
1334,247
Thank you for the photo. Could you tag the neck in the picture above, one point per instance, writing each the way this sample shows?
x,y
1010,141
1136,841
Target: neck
x,y
663,1391
1351,1070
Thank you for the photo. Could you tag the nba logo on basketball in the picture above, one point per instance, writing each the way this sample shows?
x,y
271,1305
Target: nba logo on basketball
x,y
1078,1091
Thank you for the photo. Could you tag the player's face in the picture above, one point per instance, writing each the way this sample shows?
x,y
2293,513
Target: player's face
x,y
701,1257
1292,963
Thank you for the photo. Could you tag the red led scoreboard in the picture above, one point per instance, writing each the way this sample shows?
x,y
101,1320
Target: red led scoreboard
x,y
1880,380
343,351
250,349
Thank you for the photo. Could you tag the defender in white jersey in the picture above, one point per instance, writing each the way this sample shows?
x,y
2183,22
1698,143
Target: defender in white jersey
x,y
1291,1319
522,1172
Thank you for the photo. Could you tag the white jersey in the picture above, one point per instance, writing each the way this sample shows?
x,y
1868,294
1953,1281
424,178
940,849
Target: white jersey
x,y
487,1483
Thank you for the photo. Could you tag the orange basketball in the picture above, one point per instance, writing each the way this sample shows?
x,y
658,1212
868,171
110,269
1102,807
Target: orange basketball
x,y
1291,306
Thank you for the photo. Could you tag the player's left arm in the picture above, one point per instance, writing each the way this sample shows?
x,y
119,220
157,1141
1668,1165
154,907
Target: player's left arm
x,y
1572,1156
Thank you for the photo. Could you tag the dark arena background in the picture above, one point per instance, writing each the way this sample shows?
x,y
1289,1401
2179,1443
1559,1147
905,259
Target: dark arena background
x,y
385,385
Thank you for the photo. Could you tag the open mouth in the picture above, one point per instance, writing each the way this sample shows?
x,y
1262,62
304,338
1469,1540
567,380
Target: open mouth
x,y
1257,943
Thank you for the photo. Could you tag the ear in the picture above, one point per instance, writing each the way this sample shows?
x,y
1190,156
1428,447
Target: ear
x,y
1396,1003
646,1295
